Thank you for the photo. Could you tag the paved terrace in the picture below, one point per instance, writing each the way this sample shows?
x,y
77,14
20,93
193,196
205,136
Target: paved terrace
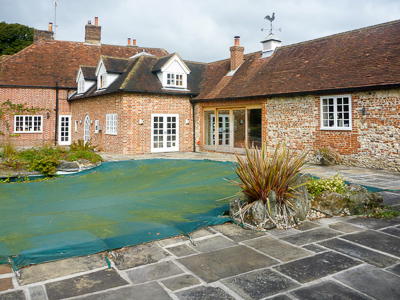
x,y
332,258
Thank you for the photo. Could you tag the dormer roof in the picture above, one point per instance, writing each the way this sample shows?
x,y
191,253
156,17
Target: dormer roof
x,y
88,72
164,62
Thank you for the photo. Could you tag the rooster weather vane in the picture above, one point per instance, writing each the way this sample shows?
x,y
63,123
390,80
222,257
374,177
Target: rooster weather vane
x,y
270,19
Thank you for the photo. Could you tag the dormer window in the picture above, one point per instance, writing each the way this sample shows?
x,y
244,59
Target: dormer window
x,y
103,81
81,87
175,80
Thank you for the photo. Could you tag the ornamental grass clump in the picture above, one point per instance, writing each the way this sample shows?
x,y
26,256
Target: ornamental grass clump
x,y
261,172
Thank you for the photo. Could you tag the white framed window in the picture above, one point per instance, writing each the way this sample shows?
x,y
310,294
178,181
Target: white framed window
x,y
103,80
28,124
175,80
336,113
81,87
111,123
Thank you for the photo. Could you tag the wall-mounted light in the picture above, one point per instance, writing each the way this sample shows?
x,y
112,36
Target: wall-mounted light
x,y
48,115
80,121
91,121
187,121
140,121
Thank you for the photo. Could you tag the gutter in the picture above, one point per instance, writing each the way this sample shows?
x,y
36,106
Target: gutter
x,y
56,123
38,86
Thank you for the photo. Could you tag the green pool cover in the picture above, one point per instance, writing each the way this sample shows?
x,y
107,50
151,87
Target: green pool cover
x,y
112,206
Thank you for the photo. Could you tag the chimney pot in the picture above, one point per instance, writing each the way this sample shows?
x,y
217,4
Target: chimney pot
x,y
129,41
50,26
237,40
96,21
134,42
89,22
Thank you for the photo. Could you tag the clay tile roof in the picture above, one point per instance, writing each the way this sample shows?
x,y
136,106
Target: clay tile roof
x,y
140,77
362,58
89,73
47,62
115,64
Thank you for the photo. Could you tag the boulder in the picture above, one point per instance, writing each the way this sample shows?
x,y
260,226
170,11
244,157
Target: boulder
x,y
362,202
329,203
85,164
258,212
302,201
234,206
355,188
67,166
273,203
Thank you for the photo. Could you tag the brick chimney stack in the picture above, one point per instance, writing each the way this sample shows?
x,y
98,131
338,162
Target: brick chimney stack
x,y
237,54
43,35
93,32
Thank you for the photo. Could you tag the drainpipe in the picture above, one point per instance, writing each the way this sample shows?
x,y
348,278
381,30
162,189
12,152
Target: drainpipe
x,y
193,124
56,129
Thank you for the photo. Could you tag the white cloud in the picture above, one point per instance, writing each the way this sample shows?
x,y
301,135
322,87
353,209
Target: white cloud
x,y
201,30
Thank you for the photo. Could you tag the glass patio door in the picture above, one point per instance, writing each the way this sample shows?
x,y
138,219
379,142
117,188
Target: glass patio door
x,y
164,132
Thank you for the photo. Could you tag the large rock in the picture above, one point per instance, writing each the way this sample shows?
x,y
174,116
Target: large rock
x,y
67,166
85,164
258,212
362,202
273,203
302,201
234,206
329,203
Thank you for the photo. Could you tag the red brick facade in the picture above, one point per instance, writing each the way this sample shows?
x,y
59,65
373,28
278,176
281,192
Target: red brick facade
x,y
132,137
34,97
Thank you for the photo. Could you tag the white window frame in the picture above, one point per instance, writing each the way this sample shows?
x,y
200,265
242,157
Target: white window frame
x,y
174,80
22,122
112,124
81,86
103,81
333,116
67,133
76,125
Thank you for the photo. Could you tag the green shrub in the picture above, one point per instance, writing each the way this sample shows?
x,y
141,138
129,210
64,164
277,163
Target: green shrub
x,y
84,154
335,184
81,145
45,165
8,150
261,171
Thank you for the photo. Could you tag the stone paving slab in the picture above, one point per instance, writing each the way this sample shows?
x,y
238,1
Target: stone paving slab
x,y
16,295
278,249
5,269
372,281
376,240
181,250
204,293
392,231
395,269
6,284
180,282
259,284
314,248
89,283
154,272
327,290
41,272
390,198
37,293
281,297
315,267
148,291
219,264
213,243
373,223
345,227
372,257
237,233
311,236
307,225
139,255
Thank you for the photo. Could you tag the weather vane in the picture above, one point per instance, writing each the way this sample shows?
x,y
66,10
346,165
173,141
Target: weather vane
x,y
270,19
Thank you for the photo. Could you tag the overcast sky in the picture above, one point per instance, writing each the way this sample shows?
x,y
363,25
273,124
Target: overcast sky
x,y
201,30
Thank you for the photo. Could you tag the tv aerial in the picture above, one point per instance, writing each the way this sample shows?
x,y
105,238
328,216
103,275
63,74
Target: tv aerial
x,y
270,19
55,18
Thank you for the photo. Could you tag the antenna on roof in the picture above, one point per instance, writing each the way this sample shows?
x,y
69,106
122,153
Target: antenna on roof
x,y
55,18
270,19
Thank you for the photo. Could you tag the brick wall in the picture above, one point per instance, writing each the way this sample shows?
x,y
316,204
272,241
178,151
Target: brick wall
x,y
132,138
373,142
34,97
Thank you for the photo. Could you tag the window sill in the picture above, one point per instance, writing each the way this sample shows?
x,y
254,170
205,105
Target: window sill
x,y
336,128
19,132
111,133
